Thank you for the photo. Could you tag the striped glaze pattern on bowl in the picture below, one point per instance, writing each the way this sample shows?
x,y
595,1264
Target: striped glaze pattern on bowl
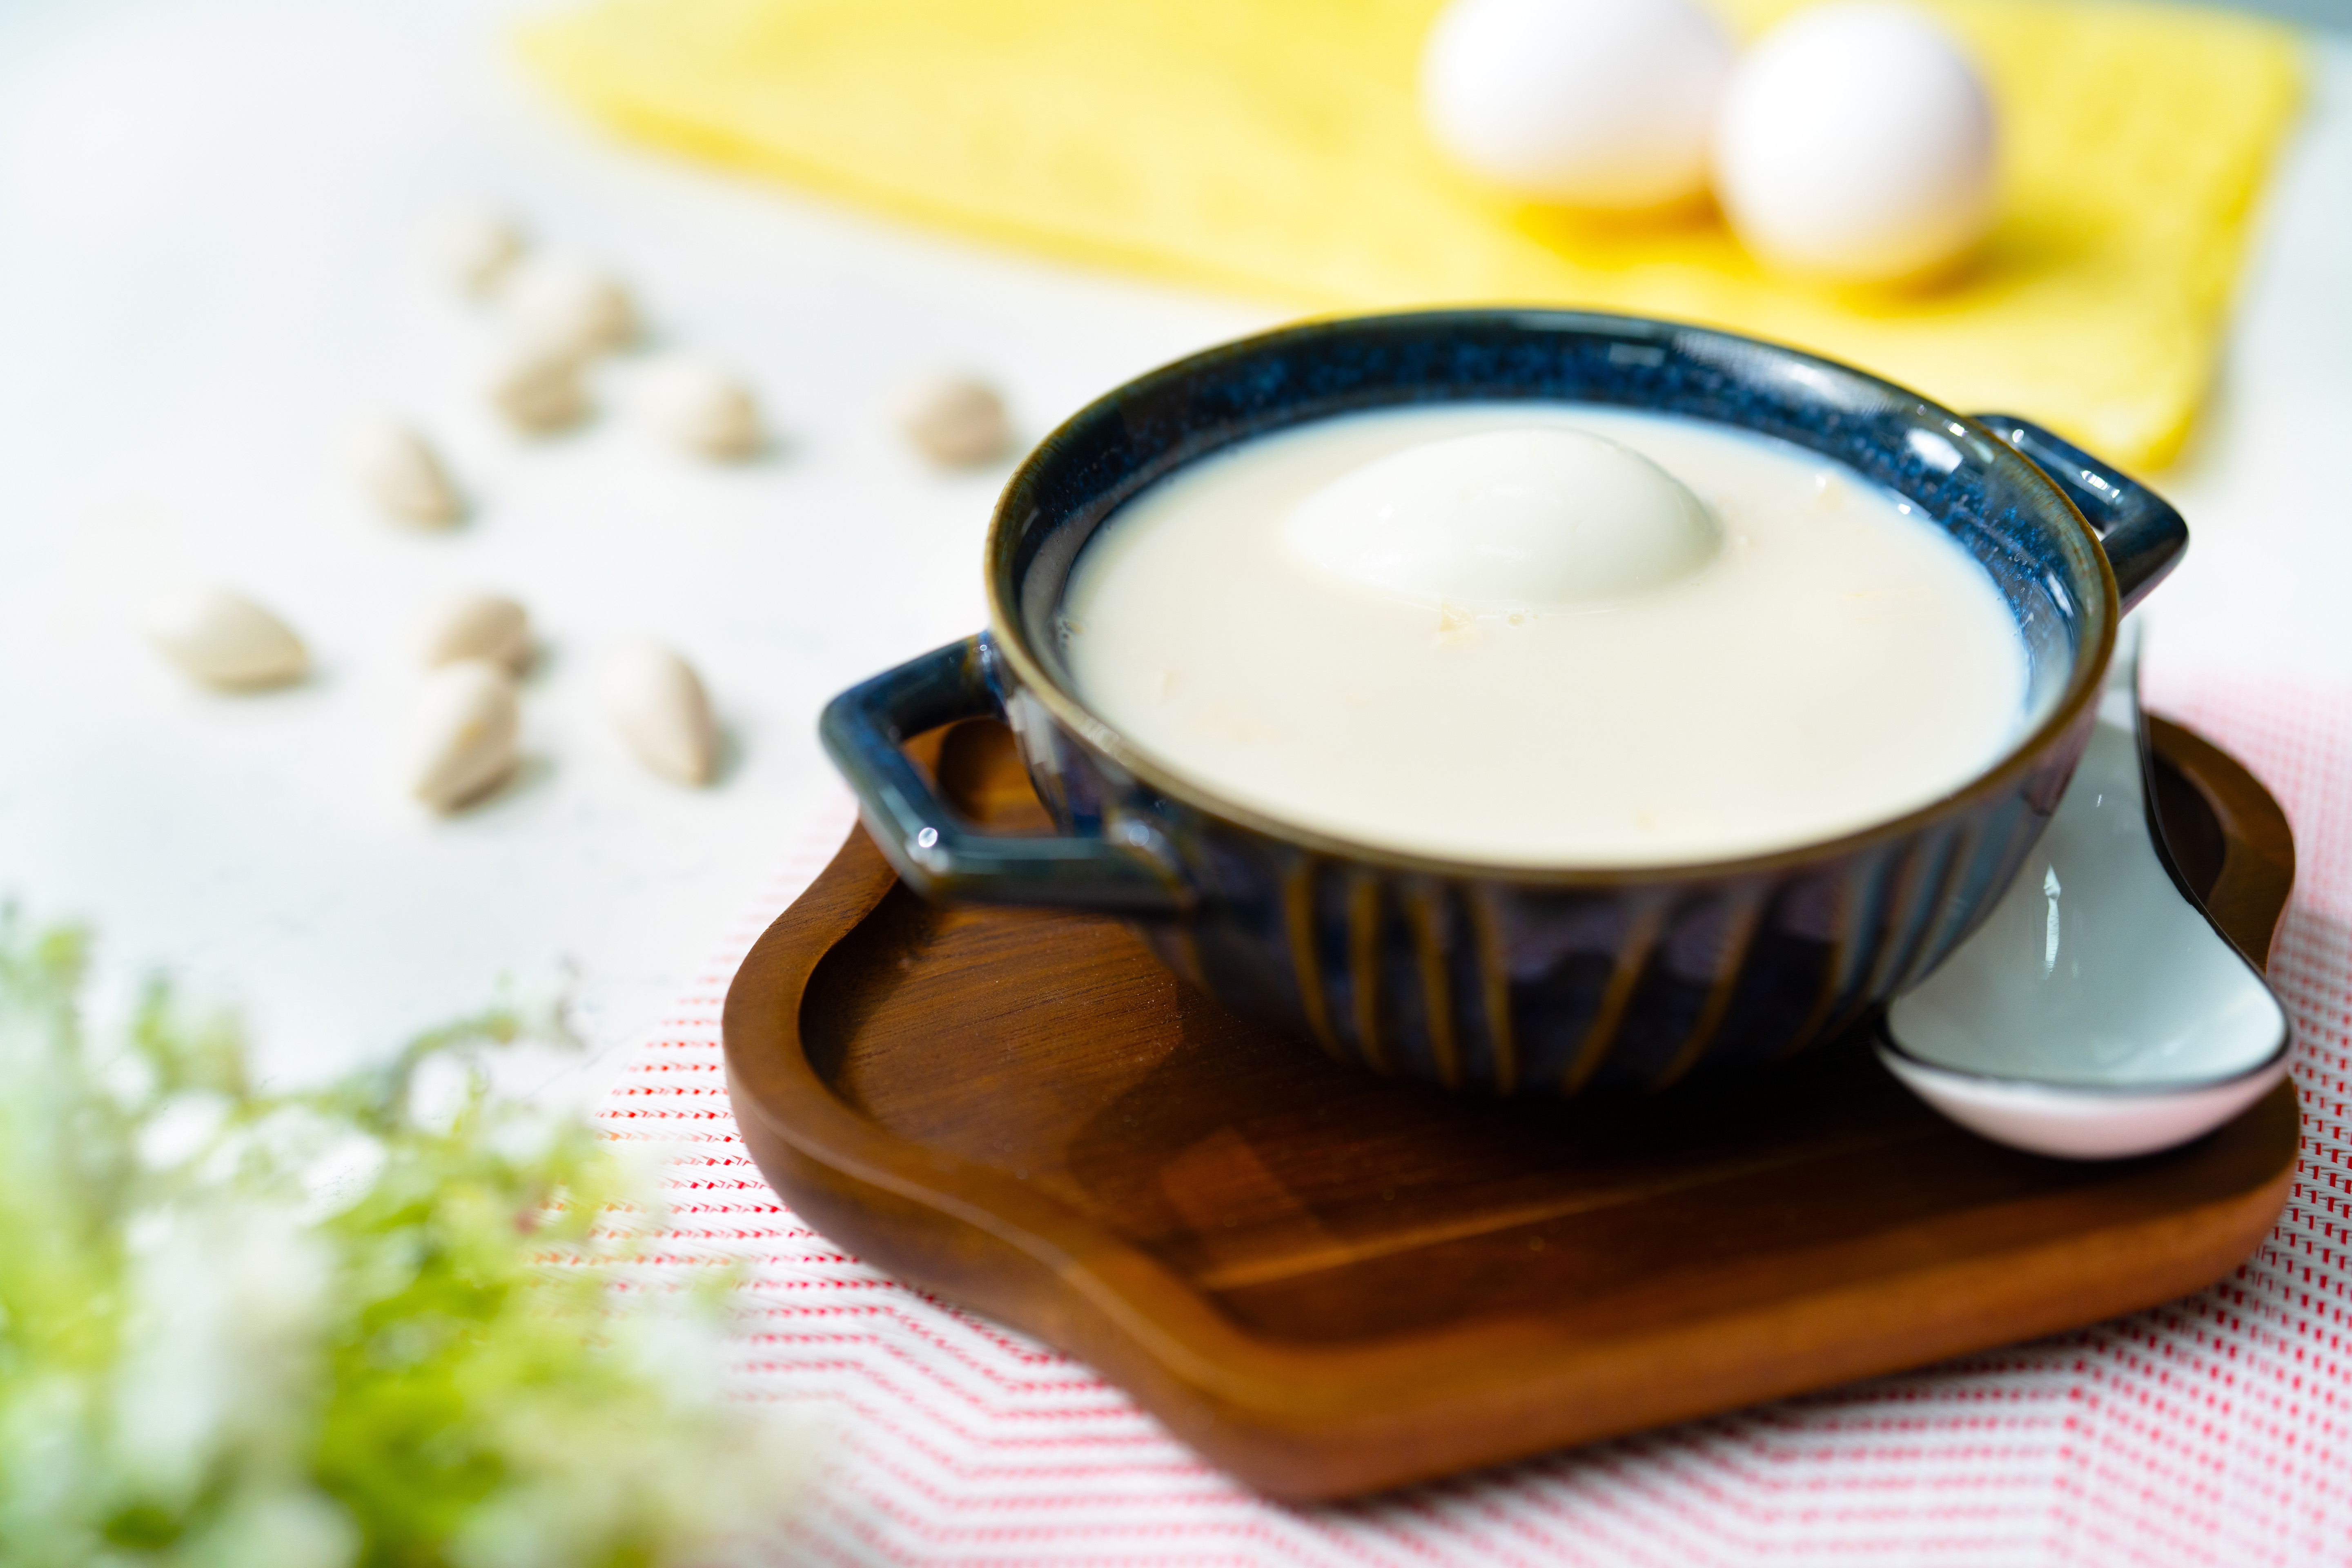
x,y
1480,976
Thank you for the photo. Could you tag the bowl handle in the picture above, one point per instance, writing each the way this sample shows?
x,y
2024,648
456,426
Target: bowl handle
x,y
2143,536
939,853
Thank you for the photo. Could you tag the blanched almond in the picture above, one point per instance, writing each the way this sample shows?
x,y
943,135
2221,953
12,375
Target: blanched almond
x,y
390,465
656,704
537,388
460,739
475,626
953,420
469,246
694,403
570,306
222,638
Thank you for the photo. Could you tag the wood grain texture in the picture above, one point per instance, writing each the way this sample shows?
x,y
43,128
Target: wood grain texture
x,y
1329,1282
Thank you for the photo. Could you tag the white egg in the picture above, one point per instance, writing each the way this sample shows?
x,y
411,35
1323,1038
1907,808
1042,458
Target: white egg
x,y
1542,519
1596,103
1856,142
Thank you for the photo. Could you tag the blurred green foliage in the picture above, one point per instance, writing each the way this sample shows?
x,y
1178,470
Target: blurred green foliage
x,y
375,1323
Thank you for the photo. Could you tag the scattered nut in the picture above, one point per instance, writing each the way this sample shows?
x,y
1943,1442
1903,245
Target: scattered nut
x,y
461,739
696,404
222,638
538,389
469,246
392,467
486,626
953,420
655,700
567,306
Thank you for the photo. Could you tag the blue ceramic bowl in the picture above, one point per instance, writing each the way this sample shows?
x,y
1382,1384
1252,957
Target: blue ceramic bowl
x,y
1467,975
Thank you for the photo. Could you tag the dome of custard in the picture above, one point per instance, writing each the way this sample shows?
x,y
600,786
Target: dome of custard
x,y
1538,518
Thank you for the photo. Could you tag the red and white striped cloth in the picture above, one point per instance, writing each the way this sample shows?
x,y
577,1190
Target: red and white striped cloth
x,y
2216,1429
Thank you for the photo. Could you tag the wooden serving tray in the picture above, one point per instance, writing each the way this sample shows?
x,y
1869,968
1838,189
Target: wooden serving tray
x,y
1327,1282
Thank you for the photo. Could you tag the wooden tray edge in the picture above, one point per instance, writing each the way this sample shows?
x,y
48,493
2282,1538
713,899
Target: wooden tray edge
x,y
1308,1423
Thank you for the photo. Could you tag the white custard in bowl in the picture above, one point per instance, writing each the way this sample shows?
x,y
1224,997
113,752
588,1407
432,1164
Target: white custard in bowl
x,y
1544,635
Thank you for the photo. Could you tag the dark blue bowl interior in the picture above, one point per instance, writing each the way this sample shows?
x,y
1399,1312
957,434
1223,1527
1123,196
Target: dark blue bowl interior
x,y
1997,506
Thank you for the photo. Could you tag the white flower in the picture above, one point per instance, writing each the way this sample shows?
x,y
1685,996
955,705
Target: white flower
x,y
219,1341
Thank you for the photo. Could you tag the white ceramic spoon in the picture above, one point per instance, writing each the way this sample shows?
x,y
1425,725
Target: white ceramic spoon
x,y
2096,1014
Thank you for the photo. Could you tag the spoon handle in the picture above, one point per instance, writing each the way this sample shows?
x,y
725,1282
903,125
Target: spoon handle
x,y
2143,536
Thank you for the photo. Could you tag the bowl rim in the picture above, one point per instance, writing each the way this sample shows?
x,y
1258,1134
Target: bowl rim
x,y
1997,780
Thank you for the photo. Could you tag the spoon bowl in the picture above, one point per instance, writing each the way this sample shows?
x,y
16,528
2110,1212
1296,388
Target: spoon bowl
x,y
2097,1013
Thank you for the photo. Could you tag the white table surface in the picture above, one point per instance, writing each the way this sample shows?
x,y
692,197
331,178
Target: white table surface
x,y
207,212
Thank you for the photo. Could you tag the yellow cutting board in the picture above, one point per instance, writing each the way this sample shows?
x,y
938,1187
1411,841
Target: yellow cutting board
x,y
1274,147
